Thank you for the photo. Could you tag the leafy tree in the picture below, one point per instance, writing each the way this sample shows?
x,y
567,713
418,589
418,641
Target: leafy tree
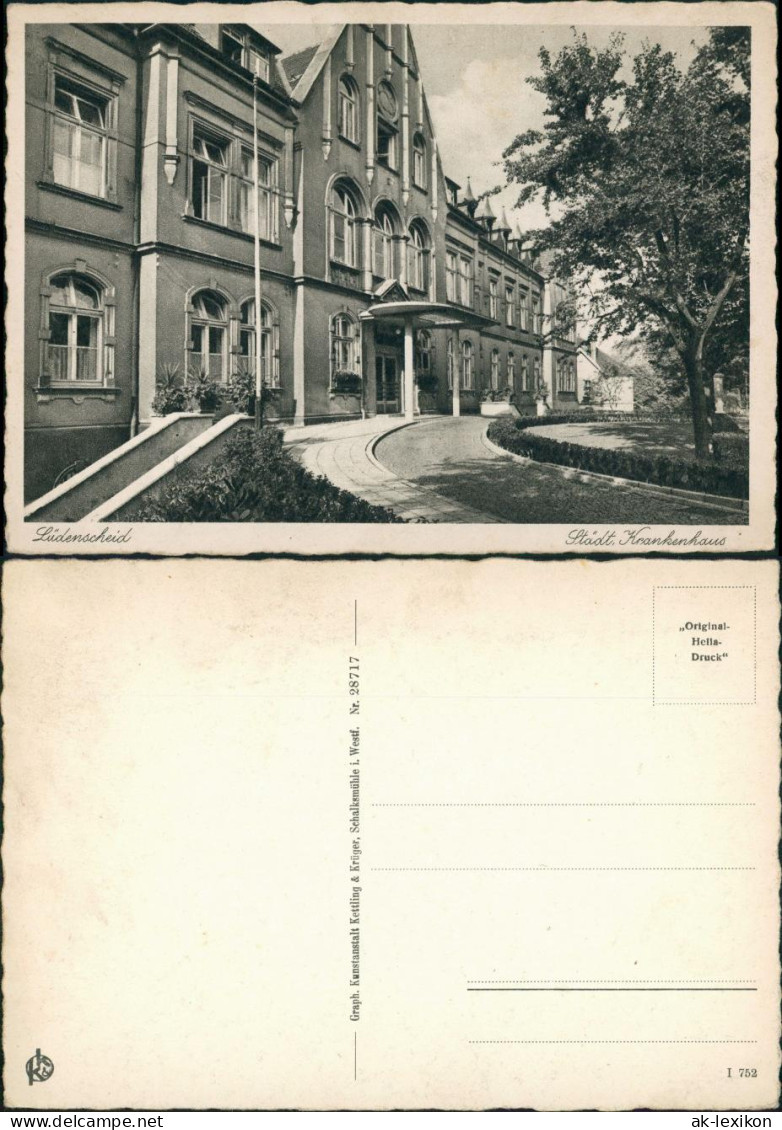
x,y
646,181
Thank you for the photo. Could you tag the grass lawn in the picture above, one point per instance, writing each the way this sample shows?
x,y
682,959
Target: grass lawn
x,y
672,438
532,493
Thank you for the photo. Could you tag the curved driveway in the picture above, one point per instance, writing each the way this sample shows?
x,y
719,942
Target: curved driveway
x,y
449,456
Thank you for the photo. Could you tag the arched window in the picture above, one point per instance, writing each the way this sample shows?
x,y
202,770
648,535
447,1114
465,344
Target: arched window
x,y
384,231
74,351
423,353
495,368
536,374
419,161
418,258
348,115
344,242
387,113
524,373
206,351
511,371
270,342
468,364
344,347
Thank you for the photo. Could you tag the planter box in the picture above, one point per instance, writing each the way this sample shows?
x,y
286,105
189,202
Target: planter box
x,y
498,408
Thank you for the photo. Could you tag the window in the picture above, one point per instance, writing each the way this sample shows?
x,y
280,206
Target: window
x,y
465,281
468,364
451,276
386,144
536,326
423,354
536,375
74,351
231,45
258,63
209,177
384,245
524,374
343,227
344,345
268,210
418,258
509,299
449,361
566,377
387,113
511,381
495,369
348,109
492,297
419,161
79,138
236,48
208,331
523,309
270,361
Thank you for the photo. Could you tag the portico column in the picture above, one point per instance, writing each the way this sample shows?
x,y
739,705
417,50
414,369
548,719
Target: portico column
x,y
409,374
455,373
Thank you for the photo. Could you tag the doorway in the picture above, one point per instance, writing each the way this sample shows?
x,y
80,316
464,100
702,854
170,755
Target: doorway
x,y
387,381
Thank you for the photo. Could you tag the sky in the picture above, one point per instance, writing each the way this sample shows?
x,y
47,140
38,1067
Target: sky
x,y
475,83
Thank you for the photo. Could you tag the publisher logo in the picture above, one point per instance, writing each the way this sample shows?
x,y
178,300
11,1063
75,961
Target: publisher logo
x,y
39,1068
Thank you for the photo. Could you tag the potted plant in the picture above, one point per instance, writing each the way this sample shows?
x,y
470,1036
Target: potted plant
x,y
171,394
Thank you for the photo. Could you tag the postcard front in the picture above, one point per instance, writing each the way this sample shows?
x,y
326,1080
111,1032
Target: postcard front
x,y
317,285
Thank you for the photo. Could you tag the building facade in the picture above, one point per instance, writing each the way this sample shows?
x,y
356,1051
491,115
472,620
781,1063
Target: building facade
x,y
386,288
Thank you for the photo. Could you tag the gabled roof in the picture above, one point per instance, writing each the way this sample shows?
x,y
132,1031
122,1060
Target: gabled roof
x,y
295,65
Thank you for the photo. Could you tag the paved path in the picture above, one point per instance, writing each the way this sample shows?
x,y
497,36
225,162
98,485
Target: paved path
x,y
451,457
442,470
343,454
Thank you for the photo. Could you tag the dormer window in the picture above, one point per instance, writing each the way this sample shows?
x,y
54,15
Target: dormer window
x,y
231,45
236,47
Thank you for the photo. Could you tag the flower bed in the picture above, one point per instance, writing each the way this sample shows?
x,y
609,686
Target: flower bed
x,y
721,477
254,479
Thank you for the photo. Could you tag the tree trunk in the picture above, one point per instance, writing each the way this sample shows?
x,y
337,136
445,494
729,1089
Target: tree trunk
x,y
700,407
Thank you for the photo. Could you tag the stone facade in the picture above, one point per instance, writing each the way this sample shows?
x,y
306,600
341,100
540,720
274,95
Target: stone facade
x,y
140,237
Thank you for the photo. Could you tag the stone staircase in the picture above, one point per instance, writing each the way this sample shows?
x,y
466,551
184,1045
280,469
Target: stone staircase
x,y
131,471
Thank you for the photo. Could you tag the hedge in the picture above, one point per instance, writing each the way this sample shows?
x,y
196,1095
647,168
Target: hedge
x,y
732,450
711,478
722,422
254,479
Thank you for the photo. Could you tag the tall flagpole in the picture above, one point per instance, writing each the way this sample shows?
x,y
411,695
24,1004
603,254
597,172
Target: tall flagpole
x,y
257,242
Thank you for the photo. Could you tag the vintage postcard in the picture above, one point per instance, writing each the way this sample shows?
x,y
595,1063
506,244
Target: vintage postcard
x,y
474,279
391,835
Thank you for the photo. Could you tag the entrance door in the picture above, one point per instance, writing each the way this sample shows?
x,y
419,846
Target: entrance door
x,y
387,378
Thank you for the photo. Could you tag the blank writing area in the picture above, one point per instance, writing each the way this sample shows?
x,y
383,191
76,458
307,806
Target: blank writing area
x,y
569,889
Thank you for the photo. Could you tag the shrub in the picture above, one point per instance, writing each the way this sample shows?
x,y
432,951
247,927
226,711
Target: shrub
x,y
344,381
254,479
427,382
716,478
732,450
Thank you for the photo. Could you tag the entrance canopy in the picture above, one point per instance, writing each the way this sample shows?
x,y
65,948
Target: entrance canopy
x,y
426,315
422,315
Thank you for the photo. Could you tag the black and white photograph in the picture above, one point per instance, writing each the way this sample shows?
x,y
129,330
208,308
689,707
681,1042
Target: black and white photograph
x,y
435,284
